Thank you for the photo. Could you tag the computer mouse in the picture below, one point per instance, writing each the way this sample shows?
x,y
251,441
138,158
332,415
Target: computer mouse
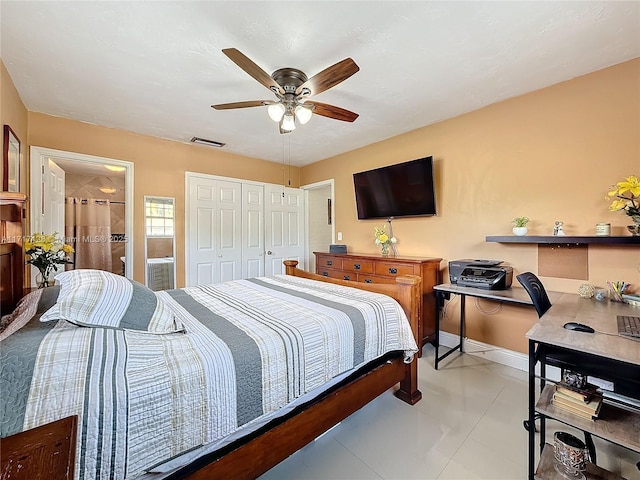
x,y
578,327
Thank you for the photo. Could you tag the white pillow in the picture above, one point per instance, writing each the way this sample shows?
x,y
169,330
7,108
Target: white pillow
x,y
95,298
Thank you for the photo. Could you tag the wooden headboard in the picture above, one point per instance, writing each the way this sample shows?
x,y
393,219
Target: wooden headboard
x,y
12,212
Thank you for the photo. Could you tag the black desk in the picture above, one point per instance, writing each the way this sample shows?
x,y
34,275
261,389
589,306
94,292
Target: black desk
x,y
510,295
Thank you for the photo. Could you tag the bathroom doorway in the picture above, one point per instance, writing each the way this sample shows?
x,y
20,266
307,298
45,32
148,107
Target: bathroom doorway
x,y
95,214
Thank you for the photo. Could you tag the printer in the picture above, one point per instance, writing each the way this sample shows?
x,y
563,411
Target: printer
x,y
479,273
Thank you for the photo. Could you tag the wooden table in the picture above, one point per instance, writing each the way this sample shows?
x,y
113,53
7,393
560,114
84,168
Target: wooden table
x,y
603,354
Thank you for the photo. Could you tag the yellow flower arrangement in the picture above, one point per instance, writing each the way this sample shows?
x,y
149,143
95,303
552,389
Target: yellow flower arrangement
x,y
626,195
45,252
383,239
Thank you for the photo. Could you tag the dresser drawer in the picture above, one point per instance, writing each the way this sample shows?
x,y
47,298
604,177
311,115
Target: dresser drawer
x,y
329,261
358,266
393,268
367,278
331,273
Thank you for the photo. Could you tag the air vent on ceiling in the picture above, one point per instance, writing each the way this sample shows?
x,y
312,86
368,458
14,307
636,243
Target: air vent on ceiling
x,y
204,141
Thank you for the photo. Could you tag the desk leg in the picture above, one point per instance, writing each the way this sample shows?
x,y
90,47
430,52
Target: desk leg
x,y
532,395
462,321
439,301
542,358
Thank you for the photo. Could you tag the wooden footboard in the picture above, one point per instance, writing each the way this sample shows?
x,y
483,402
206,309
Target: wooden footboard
x,y
406,291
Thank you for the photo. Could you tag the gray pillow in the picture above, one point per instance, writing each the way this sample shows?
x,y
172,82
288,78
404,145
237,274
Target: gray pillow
x,y
95,298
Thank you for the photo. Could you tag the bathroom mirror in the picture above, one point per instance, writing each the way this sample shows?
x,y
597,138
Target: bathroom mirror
x,y
160,243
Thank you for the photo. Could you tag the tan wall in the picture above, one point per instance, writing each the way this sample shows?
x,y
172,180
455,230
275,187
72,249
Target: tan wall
x,y
14,114
319,229
159,168
550,155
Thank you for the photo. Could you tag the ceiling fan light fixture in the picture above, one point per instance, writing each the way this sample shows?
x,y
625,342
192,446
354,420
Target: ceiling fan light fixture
x,y
276,111
288,122
303,114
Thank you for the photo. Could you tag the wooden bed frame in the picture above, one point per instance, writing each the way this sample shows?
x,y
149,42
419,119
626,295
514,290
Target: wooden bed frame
x,y
249,458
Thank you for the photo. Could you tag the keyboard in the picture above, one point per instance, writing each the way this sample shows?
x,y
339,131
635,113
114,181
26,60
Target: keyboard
x,y
629,327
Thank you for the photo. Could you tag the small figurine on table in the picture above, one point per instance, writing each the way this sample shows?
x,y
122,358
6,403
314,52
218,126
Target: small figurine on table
x,y
558,230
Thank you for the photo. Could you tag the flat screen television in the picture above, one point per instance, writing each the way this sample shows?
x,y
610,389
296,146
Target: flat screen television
x,y
401,190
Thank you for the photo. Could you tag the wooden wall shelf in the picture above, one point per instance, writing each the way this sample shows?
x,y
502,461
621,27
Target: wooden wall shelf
x,y
565,240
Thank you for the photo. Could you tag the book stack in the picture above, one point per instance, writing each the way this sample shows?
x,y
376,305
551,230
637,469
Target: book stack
x,y
584,402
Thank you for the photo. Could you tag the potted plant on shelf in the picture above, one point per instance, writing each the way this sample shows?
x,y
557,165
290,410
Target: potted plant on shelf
x,y
520,226
625,196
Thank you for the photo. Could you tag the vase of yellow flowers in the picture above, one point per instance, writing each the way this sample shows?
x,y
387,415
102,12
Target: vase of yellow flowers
x,y
626,197
45,252
384,240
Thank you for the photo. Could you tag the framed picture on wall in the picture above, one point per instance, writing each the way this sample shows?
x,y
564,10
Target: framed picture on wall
x,y
10,161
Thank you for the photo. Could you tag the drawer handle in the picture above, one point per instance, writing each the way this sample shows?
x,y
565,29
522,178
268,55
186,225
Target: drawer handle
x,y
368,280
393,270
356,266
346,277
329,263
325,274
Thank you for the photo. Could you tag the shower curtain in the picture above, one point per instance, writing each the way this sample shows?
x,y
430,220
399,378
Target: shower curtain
x,y
88,229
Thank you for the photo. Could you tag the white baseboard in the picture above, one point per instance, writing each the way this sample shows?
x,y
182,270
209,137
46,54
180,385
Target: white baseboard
x,y
495,354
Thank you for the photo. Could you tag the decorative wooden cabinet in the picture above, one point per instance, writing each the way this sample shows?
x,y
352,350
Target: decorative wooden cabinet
x,y
12,213
379,269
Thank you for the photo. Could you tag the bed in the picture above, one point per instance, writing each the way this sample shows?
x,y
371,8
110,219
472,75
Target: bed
x,y
249,427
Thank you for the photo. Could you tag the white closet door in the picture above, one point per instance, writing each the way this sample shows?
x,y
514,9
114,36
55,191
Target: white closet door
x,y
252,230
284,227
201,251
214,231
229,229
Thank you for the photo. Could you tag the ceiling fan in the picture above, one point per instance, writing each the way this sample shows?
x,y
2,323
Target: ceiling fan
x,y
293,88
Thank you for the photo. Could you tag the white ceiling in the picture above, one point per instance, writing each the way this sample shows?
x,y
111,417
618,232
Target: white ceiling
x,y
155,68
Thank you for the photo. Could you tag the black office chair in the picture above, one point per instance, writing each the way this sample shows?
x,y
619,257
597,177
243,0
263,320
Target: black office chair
x,y
536,291
541,302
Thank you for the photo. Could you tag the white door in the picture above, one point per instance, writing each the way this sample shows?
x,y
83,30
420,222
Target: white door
x,y
229,232
252,230
284,227
51,208
214,230
54,198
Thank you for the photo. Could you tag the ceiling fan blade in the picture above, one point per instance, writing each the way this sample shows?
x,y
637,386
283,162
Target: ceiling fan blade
x,y
251,103
332,111
252,69
329,77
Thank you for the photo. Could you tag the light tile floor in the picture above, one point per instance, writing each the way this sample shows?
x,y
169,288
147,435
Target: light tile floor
x,y
467,426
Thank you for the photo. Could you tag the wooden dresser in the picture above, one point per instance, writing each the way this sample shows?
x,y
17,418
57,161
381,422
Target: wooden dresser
x,y
379,269
12,213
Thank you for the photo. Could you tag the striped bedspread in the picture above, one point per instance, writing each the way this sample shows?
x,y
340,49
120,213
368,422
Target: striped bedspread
x,y
250,347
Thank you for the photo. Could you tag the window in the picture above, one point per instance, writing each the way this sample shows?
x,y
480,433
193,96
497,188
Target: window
x,y
159,217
